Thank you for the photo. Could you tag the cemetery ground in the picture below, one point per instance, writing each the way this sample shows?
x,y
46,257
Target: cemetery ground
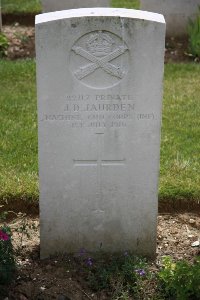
x,y
84,275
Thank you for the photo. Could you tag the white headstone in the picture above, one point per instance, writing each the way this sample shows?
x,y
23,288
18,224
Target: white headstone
x,y
54,5
176,13
99,82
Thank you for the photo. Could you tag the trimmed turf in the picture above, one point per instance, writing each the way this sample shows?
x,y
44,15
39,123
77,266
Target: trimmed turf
x,y
180,147
126,3
21,6
34,6
18,133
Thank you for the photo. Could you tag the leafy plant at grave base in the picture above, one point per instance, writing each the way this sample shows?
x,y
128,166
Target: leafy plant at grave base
x,y
194,35
121,275
180,280
7,260
3,45
24,227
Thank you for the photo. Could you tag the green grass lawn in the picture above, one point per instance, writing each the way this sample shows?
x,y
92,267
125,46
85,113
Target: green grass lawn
x,y
34,6
21,6
180,148
126,3
18,133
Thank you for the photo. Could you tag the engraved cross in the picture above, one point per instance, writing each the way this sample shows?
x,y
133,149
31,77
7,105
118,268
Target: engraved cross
x,y
99,163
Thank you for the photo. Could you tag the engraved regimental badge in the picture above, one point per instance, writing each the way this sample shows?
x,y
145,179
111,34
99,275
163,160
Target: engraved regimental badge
x,y
99,59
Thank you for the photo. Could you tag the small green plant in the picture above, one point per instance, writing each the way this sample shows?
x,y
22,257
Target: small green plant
x,y
3,45
23,229
180,280
122,275
7,260
194,35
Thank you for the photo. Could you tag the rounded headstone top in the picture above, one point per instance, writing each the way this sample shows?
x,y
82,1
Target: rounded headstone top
x,y
99,12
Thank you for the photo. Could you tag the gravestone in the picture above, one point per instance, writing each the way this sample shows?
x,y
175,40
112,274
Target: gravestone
x,y
54,5
99,83
176,13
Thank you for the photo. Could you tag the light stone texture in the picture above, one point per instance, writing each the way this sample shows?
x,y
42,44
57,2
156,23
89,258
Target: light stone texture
x,y
176,13
99,83
54,5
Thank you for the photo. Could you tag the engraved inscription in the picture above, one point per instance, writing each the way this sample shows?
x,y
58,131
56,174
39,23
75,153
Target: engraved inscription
x,y
98,111
98,97
99,59
100,107
145,116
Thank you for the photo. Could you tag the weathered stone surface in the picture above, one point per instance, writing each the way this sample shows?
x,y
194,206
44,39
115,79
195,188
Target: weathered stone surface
x,y
176,13
99,82
54,5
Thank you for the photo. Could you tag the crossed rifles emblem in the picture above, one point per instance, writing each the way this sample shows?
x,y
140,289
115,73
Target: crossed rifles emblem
x,y
99,62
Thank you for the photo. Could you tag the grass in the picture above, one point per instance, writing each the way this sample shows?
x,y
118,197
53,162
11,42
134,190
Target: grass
x,y
180,147
126,3
21,6
34,6
18,134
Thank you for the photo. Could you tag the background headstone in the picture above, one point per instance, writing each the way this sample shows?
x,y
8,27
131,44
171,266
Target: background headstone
x,y
54,5
99,82
176,13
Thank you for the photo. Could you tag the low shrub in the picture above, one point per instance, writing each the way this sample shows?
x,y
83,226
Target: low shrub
x,y
122,275
7,260
3,45
194,35
180,280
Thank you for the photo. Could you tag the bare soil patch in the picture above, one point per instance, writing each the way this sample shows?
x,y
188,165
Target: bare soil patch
x,y
22,45
61,277
24,19
177,50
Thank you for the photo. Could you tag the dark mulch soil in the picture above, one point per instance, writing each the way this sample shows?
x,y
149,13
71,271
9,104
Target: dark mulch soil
x,y
22,45
24,19
60,277
177,50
